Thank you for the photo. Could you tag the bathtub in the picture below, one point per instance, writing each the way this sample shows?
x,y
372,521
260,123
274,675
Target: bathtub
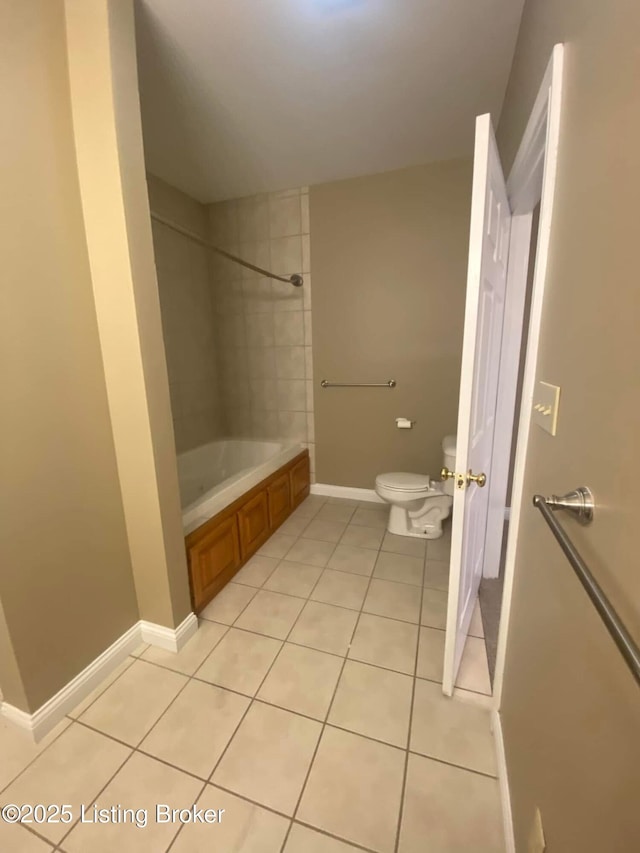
x,y
214,475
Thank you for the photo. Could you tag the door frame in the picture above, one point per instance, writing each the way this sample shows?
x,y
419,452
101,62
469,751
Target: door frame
x,y
532,178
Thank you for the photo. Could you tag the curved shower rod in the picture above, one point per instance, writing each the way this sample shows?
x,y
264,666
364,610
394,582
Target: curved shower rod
x,y
296,280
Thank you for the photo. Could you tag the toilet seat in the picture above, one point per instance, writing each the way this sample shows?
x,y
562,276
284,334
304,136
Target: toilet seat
x,y
400,481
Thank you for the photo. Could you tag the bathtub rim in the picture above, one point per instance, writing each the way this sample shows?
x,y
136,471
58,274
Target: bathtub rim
x,y
219,497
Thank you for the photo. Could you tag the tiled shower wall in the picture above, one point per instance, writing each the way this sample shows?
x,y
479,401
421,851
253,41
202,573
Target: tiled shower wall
x,y
264,326
187,317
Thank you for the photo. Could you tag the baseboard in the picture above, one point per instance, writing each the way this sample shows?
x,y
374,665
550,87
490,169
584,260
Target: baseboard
x,y
170,639
42,721
348,492
503,781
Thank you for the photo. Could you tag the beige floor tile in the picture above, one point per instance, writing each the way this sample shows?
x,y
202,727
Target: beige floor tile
x,y
449,810
142,783
294,526
189,658
336,512
408,545
277,546
256,571
294,579
311,552
395,600
376,518
349,558
72,770
324,627
16,839
271,613
302,680
385,642
139,650
196,728
240,661
325,531
308,508
399,568
451,730
268,758
81,707
133,703
474,669
17,749
476,628
480,700
434,608
373,702
304,840
440,549
431,654
362,537
228,603
354,790
244,827
354,504
436,574
341,589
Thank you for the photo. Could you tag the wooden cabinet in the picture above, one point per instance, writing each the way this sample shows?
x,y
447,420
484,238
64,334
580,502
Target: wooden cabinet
x,y
214,559
279,493
253,521
300,481
219,547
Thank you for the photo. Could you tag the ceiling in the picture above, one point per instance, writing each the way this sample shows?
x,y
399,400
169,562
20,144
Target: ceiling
x,y
247,96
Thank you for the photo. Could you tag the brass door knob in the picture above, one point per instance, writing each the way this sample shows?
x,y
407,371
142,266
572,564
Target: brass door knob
x,y
446,474
480,479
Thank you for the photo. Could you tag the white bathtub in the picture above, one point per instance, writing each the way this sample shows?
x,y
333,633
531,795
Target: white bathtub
x,y
216,474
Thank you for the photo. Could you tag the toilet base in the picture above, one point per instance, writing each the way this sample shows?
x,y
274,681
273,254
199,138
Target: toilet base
x,y
425,523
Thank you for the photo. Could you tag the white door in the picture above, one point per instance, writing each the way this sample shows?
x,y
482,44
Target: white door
x,y
484,311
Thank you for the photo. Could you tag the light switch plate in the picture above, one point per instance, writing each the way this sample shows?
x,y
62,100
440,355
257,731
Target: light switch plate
x,y
545,406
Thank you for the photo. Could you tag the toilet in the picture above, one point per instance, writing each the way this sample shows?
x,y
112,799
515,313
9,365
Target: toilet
x,y
419,505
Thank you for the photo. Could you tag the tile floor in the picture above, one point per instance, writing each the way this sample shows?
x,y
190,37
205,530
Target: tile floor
x,y
307,707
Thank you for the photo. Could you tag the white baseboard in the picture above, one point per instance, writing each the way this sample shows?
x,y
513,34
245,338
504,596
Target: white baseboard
x,y
42,721
347,492
503,780
170,639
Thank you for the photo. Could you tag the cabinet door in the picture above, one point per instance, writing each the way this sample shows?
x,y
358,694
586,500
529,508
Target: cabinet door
x,y
253,521
279,500
213,561
300,480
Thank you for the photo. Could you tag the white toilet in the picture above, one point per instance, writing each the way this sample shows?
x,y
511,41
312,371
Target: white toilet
x,y
419,505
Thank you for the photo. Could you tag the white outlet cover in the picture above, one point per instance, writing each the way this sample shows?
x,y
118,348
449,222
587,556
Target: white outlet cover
x,y
546,401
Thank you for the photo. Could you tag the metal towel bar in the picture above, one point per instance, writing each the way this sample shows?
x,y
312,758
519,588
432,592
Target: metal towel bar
x,y
390,384
621,636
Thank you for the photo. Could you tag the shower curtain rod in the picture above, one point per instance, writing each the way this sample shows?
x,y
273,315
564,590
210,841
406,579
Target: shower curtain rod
x,y
296,280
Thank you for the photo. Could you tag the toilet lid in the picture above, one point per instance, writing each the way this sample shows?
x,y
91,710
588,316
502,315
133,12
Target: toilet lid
x,y
404,482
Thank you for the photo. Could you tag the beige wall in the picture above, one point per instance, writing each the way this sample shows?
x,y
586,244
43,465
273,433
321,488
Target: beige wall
x,y
571,711
264,341
389,270
65,582
182,267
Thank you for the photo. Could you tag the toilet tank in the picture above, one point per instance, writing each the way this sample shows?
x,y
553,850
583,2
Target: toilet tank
x,y
449,461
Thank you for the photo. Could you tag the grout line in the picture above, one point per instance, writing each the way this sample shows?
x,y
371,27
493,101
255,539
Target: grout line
x,y
327,715
403,787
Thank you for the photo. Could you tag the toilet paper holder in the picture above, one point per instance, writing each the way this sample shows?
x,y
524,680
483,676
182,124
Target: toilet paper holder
x,y
404,423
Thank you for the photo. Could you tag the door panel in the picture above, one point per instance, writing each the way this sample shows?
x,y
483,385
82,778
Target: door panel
x,y
484,314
